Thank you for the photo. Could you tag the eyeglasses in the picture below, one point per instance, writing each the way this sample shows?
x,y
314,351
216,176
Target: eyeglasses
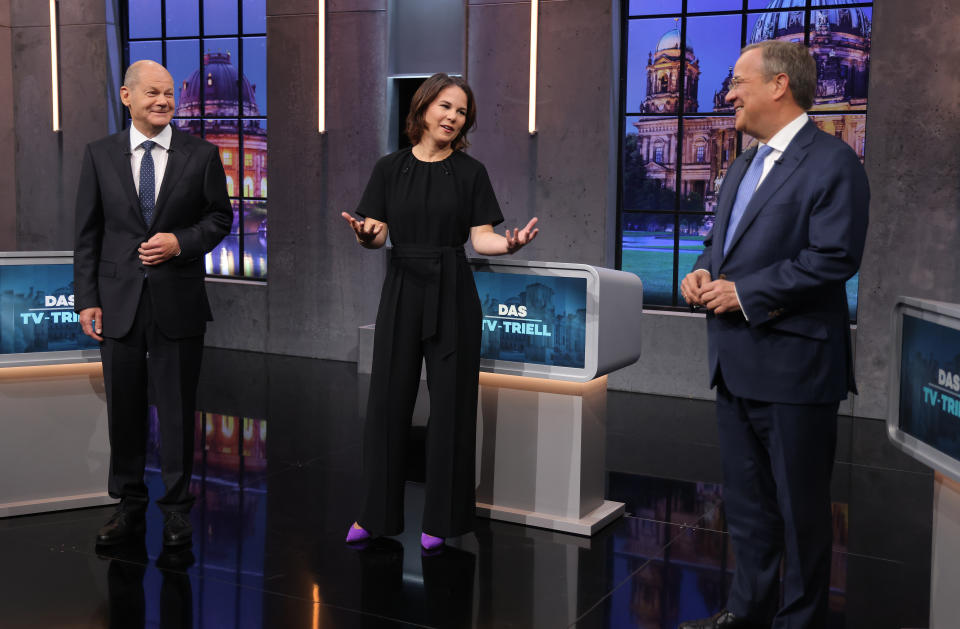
x,y
737,81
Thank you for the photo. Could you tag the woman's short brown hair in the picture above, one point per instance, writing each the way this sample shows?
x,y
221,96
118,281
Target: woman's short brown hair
x,y
426,94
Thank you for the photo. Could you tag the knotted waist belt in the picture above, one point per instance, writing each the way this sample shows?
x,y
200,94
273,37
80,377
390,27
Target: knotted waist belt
x,y
437,268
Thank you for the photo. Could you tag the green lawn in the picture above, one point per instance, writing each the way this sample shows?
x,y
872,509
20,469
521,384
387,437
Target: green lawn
x,y
655,269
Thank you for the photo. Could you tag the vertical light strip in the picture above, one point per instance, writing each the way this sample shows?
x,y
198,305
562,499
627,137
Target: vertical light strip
x,y
534,13
316,607
322,66
54,70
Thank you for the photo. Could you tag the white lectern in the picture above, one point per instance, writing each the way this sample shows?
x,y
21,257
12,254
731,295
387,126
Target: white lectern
x,y
551,333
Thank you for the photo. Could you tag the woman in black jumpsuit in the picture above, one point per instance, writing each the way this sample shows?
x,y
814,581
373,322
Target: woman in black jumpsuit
x,y
432,196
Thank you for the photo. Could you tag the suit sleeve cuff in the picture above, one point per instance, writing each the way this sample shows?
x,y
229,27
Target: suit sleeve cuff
x,y
740,303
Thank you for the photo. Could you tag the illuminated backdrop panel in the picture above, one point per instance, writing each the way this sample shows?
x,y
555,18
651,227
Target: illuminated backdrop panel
x,y
678,135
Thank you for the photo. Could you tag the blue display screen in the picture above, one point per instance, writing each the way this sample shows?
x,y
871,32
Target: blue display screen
x,y
530,318
36,310
930,384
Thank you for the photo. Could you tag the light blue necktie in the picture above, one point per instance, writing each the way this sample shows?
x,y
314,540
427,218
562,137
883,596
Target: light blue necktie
x,y
748,185
148,183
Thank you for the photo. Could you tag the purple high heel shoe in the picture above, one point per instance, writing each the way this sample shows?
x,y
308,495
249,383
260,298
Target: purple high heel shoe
x,y
429,542
357,534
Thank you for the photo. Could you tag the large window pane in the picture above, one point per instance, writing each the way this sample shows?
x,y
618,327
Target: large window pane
x,y
255,239
254,16
152,50
783,25
224,132
183,62
699,6
219,17
654,7
851,128
183,18
840,42
221,96
254,93
709,147
649,163
144,19
650,80
714,45
225,257
254,159
648,245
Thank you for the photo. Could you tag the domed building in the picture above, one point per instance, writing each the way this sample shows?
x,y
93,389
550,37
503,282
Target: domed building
x,y
663,76
210,103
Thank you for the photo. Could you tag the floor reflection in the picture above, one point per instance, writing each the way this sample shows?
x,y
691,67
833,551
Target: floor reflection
x,y
271,514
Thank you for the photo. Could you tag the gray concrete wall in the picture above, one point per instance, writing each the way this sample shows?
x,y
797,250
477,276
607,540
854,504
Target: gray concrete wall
x,y
561,174
8,174
914,167
48,163
322,284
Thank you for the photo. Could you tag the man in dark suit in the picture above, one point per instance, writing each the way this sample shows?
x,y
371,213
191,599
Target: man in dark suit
x,y
151,202
789,232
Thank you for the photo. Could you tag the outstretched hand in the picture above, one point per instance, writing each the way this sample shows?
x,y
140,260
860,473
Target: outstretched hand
x,y
365,231
521,237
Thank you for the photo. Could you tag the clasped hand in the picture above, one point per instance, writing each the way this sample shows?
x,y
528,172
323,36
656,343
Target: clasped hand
x,y
160,248
718,296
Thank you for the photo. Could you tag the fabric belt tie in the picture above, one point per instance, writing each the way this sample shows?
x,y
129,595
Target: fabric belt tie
x,y
437,267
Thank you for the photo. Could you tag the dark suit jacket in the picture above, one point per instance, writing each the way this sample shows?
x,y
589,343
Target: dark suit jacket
x,y
800,239
192,204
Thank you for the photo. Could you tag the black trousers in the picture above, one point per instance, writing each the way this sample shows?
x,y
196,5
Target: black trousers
x,y
777,463
171,368
399,351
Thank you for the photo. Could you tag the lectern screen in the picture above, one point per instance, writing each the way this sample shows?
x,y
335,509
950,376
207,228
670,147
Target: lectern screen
x,y
930,383
36,310
533,318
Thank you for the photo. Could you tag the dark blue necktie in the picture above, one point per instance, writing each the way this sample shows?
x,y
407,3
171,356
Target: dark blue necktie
x,y
748,185
148,183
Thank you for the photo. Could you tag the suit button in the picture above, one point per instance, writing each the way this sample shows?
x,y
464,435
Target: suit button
x,y
723,276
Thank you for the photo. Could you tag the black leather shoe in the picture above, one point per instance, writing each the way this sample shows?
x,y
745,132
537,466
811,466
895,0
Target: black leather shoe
x,y
724,619
177,530
121,527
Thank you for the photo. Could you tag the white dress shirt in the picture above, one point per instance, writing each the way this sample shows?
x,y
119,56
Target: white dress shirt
x,y
159,153
778,144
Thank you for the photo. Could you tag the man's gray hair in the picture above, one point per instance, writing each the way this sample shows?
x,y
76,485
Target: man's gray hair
x,y
794,60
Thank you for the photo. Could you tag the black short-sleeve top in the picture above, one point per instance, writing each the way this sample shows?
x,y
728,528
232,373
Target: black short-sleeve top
x,y
430,203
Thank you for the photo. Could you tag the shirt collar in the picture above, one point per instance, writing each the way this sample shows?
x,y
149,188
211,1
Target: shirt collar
x,y
162,138
782,138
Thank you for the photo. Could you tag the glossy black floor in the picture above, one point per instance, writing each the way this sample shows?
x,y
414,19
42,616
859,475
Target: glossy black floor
x,y
268,549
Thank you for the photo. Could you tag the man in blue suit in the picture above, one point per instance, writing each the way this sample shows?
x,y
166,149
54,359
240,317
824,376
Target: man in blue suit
x,y
789,232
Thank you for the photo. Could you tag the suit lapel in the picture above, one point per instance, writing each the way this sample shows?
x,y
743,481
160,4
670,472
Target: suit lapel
x,y
728,194
788,163
120,156
177,158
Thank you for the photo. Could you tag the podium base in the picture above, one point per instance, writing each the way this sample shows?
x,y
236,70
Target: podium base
x,y
588,525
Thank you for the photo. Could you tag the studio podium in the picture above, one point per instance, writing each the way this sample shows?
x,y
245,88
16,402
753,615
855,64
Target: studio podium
x,y
54,453
551,333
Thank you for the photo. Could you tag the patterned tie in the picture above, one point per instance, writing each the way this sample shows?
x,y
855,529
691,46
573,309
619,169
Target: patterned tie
x,y
748,185
148,183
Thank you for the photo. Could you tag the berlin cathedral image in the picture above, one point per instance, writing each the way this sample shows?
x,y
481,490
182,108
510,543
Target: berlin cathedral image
x,y
839,40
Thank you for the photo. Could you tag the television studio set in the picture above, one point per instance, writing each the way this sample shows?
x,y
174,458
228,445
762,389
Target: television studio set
x,y
594,314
